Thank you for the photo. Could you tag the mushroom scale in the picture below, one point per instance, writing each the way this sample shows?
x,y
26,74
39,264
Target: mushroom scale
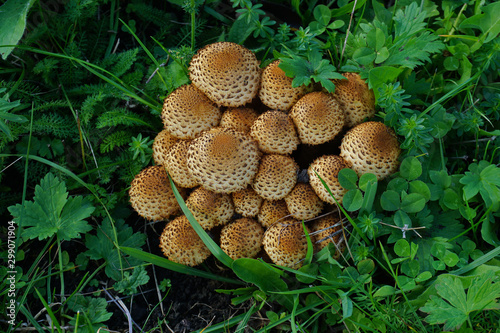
x,y
242,238
151,195
285,243
228,73
187,112
276,176
275,133
247,202
223,160
371,147
327,167
176,165
318,118
303,203
328,229
357,100
241,119
272,211
210,209
180,243
276,91
161,145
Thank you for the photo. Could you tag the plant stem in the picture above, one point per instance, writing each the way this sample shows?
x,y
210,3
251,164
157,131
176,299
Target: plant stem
x,y
193,23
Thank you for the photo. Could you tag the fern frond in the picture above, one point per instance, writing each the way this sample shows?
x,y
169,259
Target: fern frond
x,y
114,140
121,116
124,62
50,105
90,105
55,124
151,14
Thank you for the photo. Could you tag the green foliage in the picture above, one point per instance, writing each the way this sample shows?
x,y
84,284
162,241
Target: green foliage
x,y
6,106
52,213
13,22
131,282
91,312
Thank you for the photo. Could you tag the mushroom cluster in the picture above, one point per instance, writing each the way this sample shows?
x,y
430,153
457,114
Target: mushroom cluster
x,y
230,143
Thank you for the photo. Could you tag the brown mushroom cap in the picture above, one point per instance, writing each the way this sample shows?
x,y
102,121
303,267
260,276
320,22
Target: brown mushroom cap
x,y
247,202
176,165
275,133
285,243
151,195
328,229
276,177
276,91
272,211
181,244
318,117
303,203
187,112
227,73
357,100
371,147
327,167
241,119
161,145
223,160
242,238
210,209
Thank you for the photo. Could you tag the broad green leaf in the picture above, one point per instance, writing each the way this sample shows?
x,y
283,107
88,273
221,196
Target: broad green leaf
x,y
398,184
451,199
382,55
413,203
380,75
365,179
410,168
390,200
52,213
366,266
402,248
348,179
420,187
364,55
488,22
322,14
12,23
385,291
352,200
259,273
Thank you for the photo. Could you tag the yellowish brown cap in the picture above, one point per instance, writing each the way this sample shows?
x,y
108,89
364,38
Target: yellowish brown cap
x,y
181,244
275,133
210,209
247,202
328,229
151,195
327,167
371,147
242,238
176,165
303,203
276,91
276,177
187,112
272,211
161,145
241,119
227,73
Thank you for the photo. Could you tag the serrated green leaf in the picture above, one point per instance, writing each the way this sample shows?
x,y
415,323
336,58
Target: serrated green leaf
x,y
488,22
94,310
130,282
51,212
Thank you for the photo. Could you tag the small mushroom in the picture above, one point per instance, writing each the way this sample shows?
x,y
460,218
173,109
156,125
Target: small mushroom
x,y
227,73
275,133
247,202
187,112
303,203
371,147
161,145
276,91
276,176
223,160
272,211
357,100
242,238
210,209
328,229
318,117
327,167
151,195
285,243
180,243
176,165
241,119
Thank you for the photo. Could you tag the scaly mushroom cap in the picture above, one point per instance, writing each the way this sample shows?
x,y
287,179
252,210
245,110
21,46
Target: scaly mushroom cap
x,y
181,244
328,229
247,202
151,195
285,243
318,117
210,209
227,73
276,177
276,91
371,147
223,160
357,100
275,133
161,145
272,211
241,119
327,167
176,165
242,238
187,112
303,203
